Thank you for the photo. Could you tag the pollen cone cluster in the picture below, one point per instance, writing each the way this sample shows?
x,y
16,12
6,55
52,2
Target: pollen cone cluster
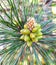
x,y
31,32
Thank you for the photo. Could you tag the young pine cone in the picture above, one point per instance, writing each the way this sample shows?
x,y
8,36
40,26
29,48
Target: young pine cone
x,y
30,23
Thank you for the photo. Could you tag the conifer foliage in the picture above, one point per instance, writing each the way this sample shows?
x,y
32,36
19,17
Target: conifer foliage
x,y
26,37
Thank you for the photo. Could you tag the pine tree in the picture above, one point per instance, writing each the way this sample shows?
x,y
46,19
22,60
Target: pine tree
x,y
26,37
